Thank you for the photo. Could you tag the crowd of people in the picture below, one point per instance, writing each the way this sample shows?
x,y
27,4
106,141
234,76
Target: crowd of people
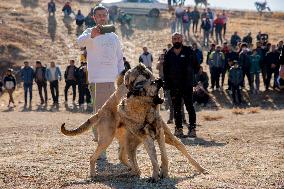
x,y
183,19
180,66
75,77
240,63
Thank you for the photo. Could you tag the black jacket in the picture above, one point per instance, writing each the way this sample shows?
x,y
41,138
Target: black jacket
x,y
272,58
247,39
203,78
244,62
81,75
10,78
231,56
75,72
43,74
179,69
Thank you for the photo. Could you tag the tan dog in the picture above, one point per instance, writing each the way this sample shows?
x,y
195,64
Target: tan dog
x,y
139,114
109,125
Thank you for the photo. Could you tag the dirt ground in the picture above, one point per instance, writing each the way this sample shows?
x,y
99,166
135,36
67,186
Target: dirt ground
x,y
240,148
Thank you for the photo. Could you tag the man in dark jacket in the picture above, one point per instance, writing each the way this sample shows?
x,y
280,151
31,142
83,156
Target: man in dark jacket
x,y
70,79
206,26
230,57
67,10
83,84
261,52
195,19
51,8
40,80
272,62
235,39
27,74
198,53
236,80
179,65
248,39
202,78
244,63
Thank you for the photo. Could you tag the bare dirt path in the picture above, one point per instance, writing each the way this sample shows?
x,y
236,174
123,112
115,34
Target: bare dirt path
x,y
240,151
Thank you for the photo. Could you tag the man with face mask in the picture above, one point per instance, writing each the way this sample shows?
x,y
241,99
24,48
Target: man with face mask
x,y
180,63
105,58
216,64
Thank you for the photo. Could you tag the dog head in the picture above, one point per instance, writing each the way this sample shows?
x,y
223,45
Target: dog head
x,y
141,82
137,75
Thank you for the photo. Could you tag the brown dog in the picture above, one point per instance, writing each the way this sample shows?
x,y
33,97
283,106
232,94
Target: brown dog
x,y
109,125
139,114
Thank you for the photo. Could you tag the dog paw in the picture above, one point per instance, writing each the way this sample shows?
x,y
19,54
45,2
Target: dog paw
x,y
92,175
152,180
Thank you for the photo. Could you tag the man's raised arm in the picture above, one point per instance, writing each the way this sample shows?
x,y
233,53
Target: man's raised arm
x,y
84,38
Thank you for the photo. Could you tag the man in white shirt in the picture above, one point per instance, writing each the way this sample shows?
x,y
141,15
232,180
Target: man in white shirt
x,y
105,58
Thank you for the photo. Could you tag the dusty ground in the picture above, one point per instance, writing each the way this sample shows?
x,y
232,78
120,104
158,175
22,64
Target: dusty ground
x,y
240,151
241,148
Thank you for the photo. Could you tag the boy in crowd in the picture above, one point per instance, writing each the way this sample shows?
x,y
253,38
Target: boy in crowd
x,y
236,80
254,71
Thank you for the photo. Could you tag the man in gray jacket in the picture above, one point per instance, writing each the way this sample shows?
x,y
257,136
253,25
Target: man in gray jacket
x,y
146,58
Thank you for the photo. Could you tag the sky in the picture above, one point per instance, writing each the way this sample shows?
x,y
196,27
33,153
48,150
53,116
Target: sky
x,y
275,5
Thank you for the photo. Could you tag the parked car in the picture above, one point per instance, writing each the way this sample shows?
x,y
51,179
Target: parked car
x,y
142,7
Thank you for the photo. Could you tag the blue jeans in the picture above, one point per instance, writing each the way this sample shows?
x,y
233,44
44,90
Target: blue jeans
x,y
206,38
186,27
179,24
254,77
28,87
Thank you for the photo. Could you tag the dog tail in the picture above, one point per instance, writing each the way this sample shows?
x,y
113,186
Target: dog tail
x,y
172,140
82,128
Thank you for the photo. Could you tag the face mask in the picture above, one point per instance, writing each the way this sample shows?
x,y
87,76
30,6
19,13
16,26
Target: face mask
x,y
177,45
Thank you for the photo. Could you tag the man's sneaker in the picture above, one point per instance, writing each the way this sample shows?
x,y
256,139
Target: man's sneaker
x,y
191,133
170,121
179,133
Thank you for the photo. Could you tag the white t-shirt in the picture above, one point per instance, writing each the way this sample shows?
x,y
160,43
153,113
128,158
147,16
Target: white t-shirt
x,y
104,56
52,73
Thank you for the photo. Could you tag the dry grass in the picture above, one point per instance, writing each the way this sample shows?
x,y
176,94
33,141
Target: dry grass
x,y
238,111
212,117
253,110
278,15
